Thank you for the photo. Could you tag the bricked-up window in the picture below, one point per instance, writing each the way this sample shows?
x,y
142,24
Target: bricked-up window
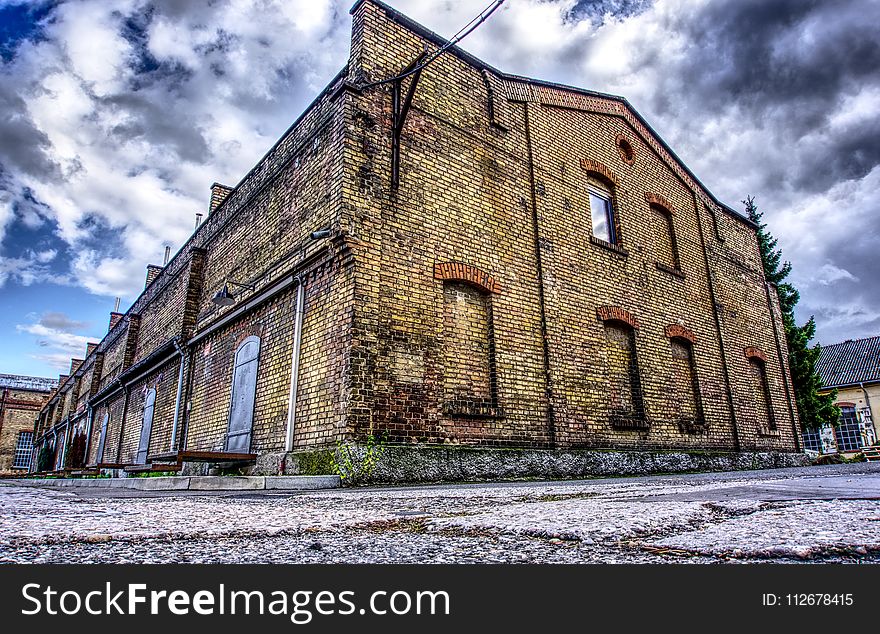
x,y
468,351
664,237
622,372
23,447
685,389
602,213
761,393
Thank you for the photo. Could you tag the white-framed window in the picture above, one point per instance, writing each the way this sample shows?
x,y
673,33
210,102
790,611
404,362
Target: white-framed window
x,y
602,213
23,447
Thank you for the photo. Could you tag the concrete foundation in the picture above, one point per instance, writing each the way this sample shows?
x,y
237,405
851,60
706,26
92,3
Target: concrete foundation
x,y
358,464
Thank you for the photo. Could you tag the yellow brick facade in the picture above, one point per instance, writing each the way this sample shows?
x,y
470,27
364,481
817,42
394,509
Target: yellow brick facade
x,y
470,304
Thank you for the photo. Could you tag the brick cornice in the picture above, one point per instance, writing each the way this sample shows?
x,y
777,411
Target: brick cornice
x,y
616,313
466,273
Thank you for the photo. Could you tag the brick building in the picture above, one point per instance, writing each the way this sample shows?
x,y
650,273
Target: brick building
x,y
21,397
851,367
459,258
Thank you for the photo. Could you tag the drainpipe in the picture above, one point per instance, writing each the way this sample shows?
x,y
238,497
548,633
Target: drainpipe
x,y
719,330
90,413
177,399
294,365
122,422
785,375
542,306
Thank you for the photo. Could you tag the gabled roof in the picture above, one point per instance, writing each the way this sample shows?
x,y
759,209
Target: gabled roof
x,y
620,106
30,383
850,362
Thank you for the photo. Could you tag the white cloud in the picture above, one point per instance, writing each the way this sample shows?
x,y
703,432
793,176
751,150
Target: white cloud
x,y
138,106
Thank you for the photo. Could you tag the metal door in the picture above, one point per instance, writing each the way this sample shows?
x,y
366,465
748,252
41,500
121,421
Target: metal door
x,y
104,422
146,428
244,386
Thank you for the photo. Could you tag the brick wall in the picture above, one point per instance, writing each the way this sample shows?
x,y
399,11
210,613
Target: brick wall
x,y
498,188
471,304
18,410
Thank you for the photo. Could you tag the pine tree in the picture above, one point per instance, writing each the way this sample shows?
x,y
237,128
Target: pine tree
x,y
814,409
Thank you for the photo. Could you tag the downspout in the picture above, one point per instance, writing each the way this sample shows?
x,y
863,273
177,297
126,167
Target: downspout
x,y
183,358
122,422
782,366
3,406
294,364
90,413
548,385
718,329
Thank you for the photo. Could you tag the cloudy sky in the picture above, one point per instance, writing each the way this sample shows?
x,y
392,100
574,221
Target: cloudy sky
x,y
117,115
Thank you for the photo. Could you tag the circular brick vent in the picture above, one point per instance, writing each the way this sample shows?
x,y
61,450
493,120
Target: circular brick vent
x,y
627,153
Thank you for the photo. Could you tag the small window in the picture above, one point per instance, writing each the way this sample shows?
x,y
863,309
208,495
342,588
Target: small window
x,y
23,447
602,214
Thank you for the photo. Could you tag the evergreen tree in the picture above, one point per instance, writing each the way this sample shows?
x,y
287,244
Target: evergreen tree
x,y
814,409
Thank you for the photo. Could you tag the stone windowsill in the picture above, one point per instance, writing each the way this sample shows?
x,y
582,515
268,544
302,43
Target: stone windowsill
x,y
670,269
614,248
637,423
472,409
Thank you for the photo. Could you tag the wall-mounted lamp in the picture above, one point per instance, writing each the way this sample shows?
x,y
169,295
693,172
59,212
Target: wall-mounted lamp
x,y
224,297
320,234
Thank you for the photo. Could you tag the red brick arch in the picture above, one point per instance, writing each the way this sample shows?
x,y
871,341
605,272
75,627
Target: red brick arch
x,y
656,199
461,272
616,313
595,167
678,331
755,353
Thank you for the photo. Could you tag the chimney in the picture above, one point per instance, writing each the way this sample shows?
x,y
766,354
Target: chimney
x,y
90,348
218,195
74,365
153,271
114,319
198,220
167,255
61,379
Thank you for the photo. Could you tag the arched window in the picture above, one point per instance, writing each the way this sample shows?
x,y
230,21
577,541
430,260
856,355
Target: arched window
x,y
244,388
469,382
626,407
761,393
686,392
146,427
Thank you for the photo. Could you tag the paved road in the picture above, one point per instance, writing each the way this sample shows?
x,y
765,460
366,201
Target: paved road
x,y
814,514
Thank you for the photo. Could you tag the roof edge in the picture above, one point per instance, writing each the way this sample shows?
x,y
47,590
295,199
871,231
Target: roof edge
x,y
476,62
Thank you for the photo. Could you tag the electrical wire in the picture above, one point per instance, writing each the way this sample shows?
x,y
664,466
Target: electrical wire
x,y
463,32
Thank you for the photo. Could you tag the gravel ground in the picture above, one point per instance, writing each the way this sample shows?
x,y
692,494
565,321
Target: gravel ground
x,y
814,514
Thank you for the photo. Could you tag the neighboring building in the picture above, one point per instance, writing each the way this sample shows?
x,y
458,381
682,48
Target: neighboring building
x,y
21,397
853,369
460,257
